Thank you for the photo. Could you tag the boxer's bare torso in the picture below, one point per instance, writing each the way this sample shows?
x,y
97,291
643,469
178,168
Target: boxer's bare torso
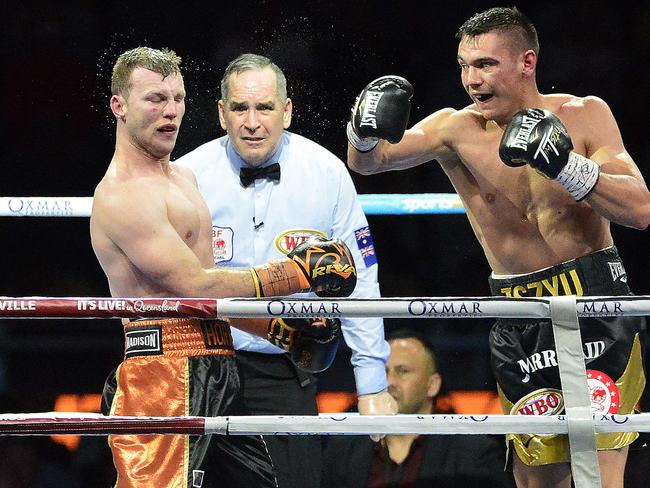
x,y
155,193
523,221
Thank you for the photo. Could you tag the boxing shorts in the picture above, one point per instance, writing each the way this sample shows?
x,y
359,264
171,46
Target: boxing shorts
x,y
181,367
524,360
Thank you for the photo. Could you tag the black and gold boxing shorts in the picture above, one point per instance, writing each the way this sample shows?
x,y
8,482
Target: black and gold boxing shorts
x,y
524,360
181,367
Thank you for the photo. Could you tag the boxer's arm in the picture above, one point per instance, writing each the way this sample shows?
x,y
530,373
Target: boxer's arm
x,y
425,141
621,194
134,218
605,176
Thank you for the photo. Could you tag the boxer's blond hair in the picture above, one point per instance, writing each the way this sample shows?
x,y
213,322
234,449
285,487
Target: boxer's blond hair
x,y
163,61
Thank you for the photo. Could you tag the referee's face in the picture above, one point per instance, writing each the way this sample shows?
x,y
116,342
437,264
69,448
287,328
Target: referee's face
x,y
253,115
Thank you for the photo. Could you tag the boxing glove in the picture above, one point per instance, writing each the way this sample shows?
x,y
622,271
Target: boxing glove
x,y
311,343
381,111
328,266
538,138
323,266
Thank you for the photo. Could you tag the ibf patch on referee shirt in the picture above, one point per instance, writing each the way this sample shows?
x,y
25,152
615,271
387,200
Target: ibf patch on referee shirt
x,y
222,244
366,246
143,341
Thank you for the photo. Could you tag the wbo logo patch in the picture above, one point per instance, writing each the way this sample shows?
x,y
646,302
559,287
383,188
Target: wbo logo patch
x,y
288,240
366,245
222,243
545,401
603,392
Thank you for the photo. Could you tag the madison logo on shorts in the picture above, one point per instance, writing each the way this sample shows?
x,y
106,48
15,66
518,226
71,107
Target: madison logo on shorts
x,y
143,341
545,401
288,240
603,392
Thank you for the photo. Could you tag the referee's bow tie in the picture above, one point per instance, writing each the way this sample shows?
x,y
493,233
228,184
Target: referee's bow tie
x,y
248,175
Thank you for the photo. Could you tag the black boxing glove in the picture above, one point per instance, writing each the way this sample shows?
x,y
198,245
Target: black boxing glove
x,y
327,265
311,343
381,111
537,137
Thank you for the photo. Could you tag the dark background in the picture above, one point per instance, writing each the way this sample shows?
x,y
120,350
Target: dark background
x,y
57,138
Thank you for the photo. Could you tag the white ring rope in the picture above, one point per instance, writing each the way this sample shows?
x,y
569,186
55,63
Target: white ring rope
x,y
564,310
372,204
56,423
413,307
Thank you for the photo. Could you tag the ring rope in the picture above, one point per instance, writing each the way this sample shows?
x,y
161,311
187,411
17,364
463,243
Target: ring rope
x,y
56,423
402,307
564,312
372,204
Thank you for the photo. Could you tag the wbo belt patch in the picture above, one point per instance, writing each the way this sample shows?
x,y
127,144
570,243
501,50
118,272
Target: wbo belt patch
x,y
143,341
545,401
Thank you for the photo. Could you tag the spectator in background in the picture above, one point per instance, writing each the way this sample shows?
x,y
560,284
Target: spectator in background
x,y
414,460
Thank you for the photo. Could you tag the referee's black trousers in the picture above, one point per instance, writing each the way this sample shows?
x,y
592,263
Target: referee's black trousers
x,y
274,386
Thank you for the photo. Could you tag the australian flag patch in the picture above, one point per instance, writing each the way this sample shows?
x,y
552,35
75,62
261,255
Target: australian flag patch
x,y
366,246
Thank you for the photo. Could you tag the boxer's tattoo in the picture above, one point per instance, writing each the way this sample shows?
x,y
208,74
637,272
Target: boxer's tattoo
x,y
280,278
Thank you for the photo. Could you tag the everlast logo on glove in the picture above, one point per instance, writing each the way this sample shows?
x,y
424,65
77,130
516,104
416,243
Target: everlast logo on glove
x,y
528,123
381,111
369,113
539,138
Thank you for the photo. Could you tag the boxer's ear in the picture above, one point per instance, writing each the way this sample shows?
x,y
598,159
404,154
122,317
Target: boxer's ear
x,y
118,107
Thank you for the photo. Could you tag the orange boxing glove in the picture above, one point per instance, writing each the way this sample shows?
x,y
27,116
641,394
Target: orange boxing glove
x,y
320,265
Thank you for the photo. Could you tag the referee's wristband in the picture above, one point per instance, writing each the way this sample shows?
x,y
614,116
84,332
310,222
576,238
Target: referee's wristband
x,y
579,176
361,144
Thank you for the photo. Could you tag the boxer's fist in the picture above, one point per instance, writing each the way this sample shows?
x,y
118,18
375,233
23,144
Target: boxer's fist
x,y
536,137
327,265
381,111
312,343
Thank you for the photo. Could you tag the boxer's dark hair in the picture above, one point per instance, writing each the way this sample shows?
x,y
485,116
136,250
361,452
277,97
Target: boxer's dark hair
x,y
503,19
